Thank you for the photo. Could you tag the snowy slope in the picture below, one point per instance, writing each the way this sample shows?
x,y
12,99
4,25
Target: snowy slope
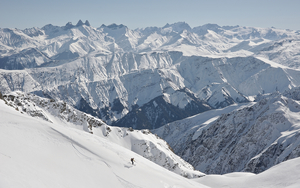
x,y
36,153
141,142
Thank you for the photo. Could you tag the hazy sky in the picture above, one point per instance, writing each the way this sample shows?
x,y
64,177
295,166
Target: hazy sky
x,y
284,14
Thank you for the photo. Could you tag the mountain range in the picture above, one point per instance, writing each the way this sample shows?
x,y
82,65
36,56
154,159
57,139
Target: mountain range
x,y
145,78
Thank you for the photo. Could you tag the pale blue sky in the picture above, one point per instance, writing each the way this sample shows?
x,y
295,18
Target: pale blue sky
x,y
284,14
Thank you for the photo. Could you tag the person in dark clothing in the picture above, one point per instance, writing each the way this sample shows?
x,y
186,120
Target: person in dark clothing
x,y
132,159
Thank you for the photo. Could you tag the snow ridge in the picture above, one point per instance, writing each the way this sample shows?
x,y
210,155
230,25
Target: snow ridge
x,y
251,138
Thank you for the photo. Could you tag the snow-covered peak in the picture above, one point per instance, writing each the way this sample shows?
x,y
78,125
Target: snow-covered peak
x,y
148,30
69,25
113,26
52,27
124,38
114,30
177,27
59,30
33,32
202,30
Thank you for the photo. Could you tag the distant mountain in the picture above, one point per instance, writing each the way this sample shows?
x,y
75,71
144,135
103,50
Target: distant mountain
x,y
144,78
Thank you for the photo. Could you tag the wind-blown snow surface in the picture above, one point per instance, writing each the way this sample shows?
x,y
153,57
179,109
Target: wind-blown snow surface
x,y
251,138
284,175
36,153
118,74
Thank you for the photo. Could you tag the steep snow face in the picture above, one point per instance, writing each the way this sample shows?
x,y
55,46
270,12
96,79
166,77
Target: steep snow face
x,y
285,52
141,142
27,58
125,38
177,27
251,138
17,80
15,38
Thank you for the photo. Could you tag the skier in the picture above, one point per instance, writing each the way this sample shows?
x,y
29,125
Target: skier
x,y
132,159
